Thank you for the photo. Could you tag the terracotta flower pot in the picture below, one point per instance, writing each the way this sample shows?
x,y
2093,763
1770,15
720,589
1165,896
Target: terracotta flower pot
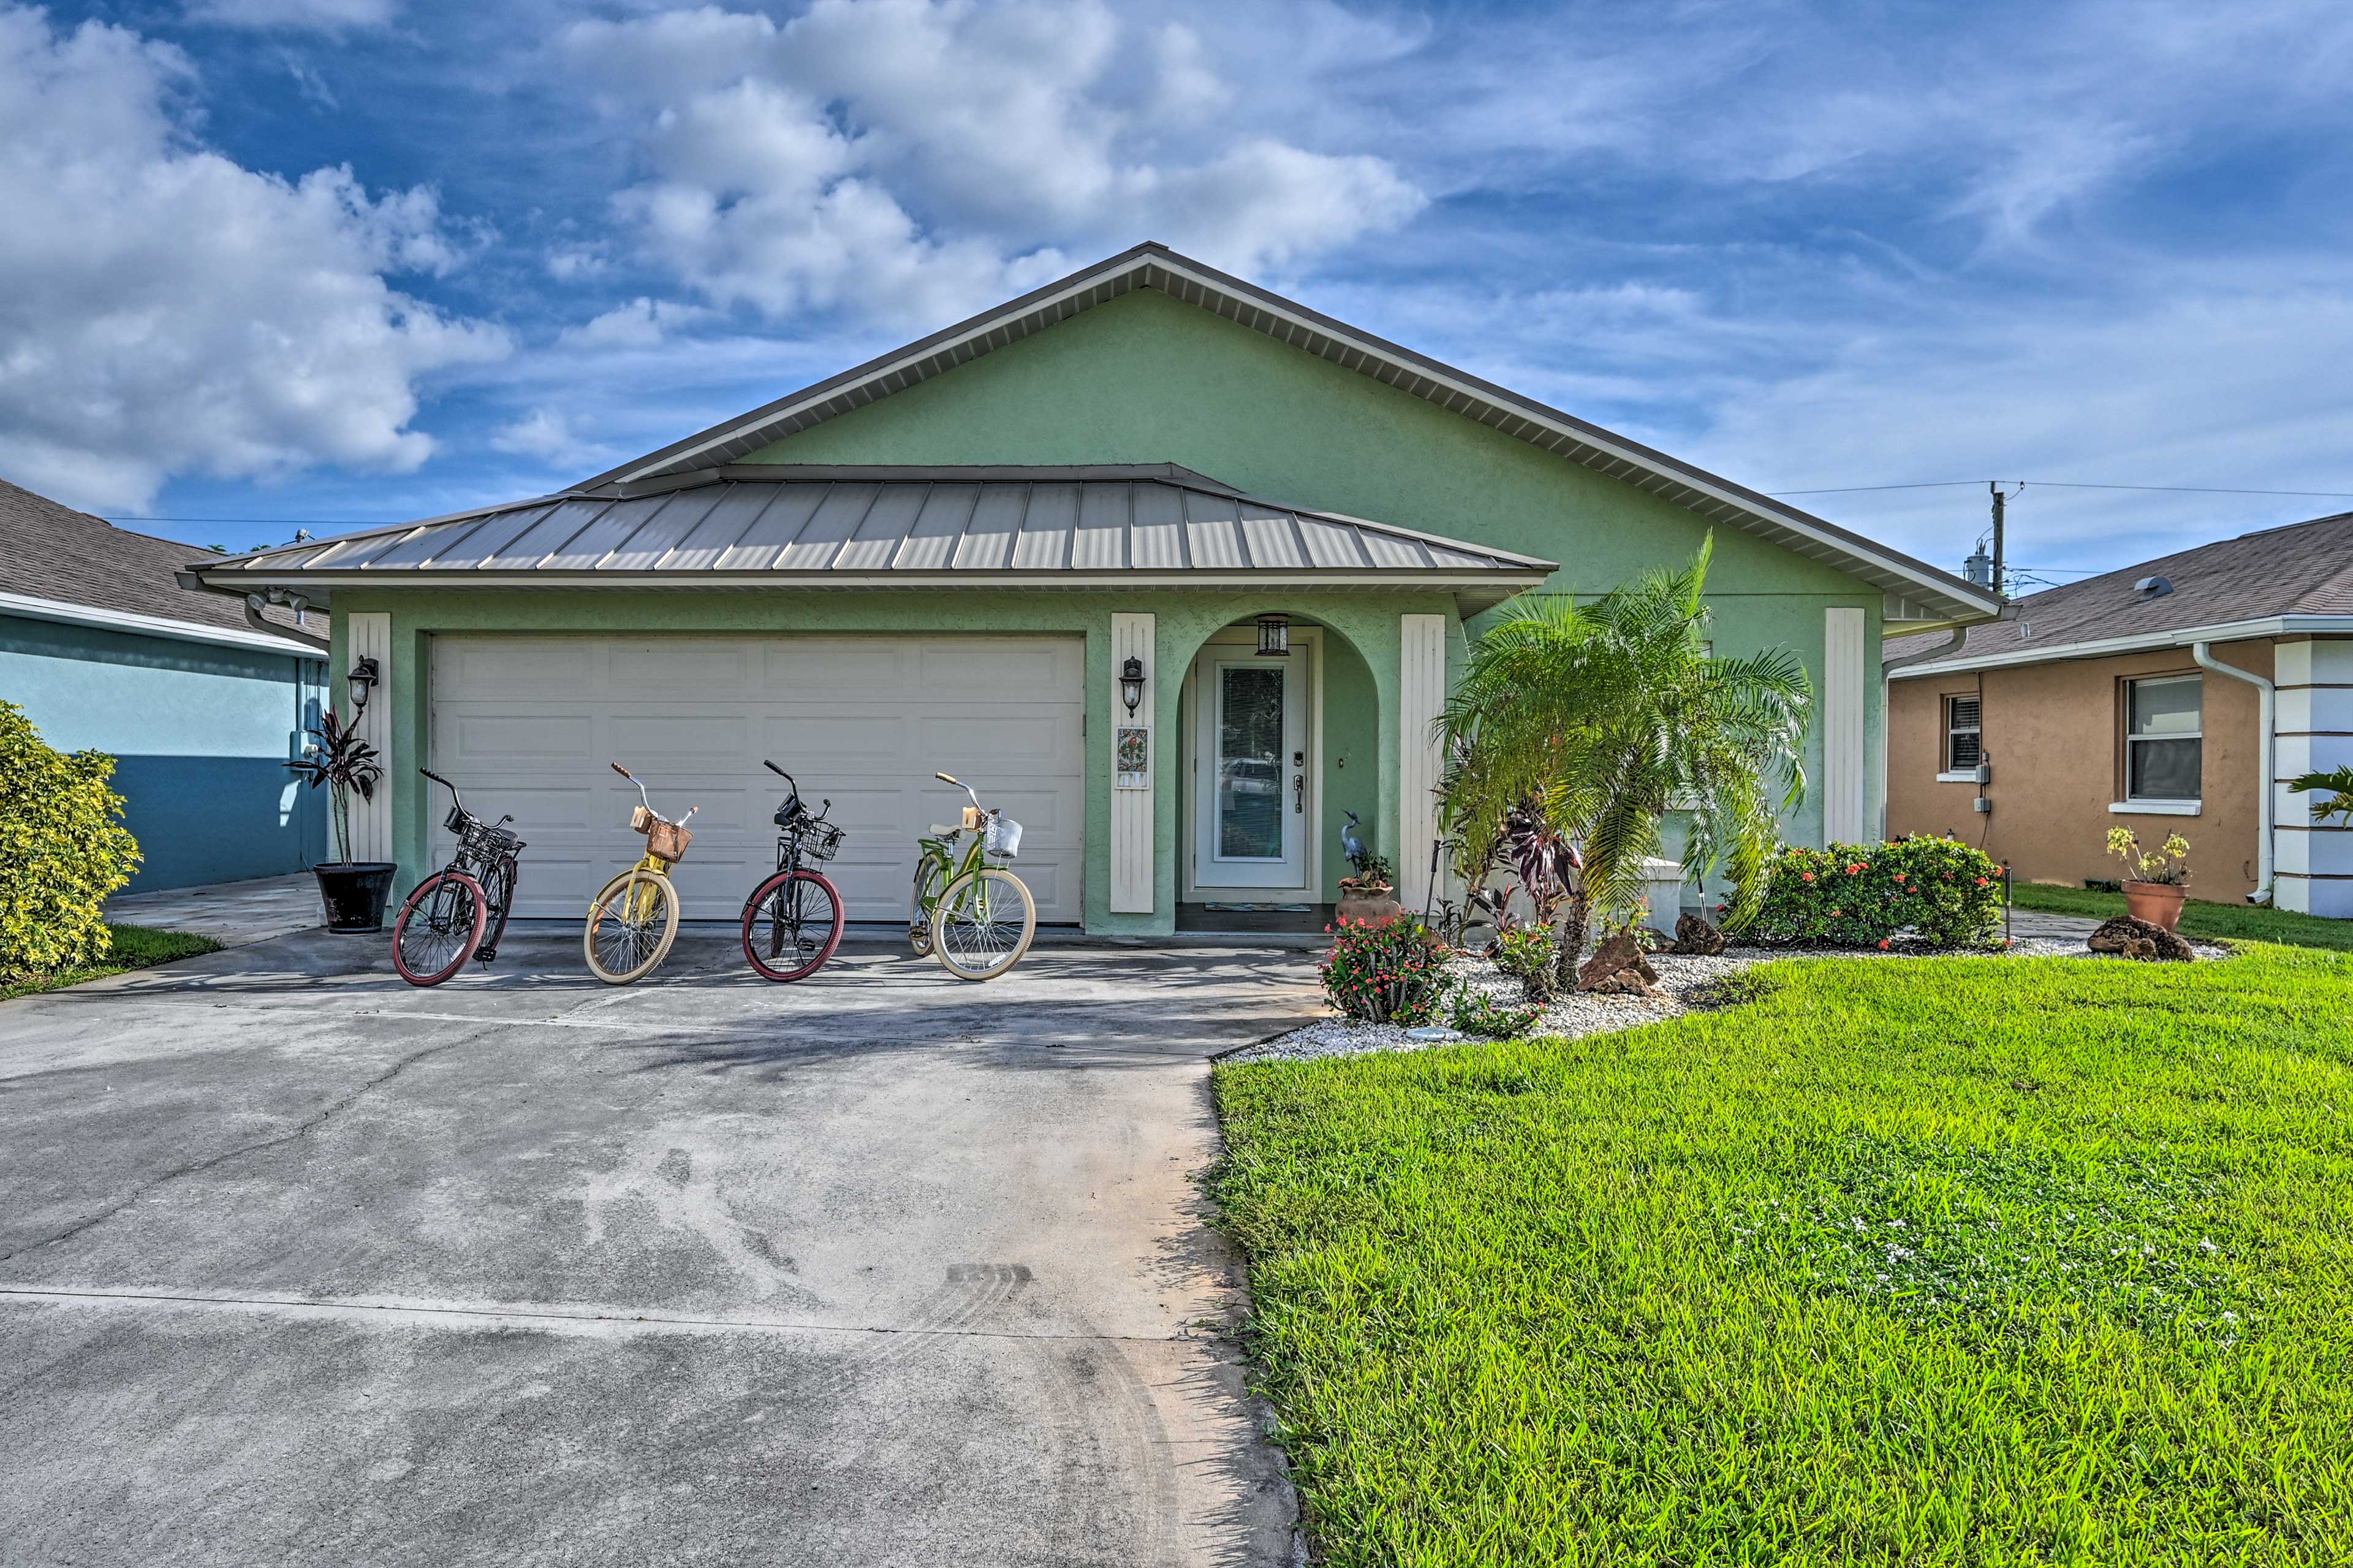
x,y
2158,903
1371,905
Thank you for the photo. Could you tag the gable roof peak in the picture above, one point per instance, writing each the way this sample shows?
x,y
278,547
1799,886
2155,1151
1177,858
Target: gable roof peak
x,y
1916,590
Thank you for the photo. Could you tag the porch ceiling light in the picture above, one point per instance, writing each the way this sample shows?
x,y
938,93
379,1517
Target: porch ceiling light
x,y
361,683
1131,684
1274,637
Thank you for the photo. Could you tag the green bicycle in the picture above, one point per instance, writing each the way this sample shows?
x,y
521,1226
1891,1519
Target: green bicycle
x,y
972,915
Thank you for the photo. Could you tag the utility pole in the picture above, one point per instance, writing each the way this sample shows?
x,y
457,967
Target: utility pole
x,y
1999,588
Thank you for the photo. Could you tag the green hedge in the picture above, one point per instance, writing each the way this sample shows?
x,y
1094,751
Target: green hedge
x,y
63,848
1862,895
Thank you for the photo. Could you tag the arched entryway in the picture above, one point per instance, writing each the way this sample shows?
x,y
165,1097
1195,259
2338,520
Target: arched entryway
x,y
1278,740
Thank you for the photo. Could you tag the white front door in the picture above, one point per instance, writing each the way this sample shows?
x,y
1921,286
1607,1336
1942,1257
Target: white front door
x,y
1253,790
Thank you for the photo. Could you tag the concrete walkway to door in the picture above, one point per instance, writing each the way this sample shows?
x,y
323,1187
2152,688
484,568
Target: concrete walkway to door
x,y
302,1265
232,913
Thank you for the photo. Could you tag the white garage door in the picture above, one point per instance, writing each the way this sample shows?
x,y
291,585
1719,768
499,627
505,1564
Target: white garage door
x,y
527,724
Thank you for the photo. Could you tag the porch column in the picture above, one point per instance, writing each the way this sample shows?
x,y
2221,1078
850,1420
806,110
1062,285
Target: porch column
x,y
1132,793
368,635
1421,700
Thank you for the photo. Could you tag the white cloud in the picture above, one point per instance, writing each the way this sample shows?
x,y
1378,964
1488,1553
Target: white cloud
x,y
547,435
642,323
295,15
907,161
164,311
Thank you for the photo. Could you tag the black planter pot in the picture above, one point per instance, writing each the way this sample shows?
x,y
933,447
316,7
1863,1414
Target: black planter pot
x,y
355,893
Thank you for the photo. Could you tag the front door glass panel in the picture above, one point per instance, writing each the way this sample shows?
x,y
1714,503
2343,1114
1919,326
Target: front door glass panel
x,y
1250,761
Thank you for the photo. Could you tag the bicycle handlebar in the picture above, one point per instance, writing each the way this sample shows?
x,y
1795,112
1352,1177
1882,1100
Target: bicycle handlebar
x,y
445,784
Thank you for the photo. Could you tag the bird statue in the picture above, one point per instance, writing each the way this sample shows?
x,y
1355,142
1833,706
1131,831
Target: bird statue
x,y
1352,845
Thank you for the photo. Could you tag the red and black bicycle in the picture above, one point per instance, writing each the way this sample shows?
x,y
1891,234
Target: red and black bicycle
x,y
444,920
792,922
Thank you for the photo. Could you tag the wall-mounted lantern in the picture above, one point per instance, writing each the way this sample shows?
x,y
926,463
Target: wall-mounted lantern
x,y
1274,637
1131,684
361,683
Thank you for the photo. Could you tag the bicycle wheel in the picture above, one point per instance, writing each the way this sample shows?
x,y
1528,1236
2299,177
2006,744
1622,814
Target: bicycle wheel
x,y
982,924
439,928
499,889
631,927
792,923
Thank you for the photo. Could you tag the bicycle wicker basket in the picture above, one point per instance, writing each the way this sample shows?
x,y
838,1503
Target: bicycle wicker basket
x,y
666,839
820,841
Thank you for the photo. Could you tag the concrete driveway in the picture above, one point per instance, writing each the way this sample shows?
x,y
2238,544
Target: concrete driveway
x,y
300,1265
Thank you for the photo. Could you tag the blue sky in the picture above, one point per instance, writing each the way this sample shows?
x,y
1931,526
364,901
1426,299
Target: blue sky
x,y
332,261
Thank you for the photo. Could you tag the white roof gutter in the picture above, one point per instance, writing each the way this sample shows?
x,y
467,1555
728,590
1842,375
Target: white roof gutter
x,y
131,622
2146,642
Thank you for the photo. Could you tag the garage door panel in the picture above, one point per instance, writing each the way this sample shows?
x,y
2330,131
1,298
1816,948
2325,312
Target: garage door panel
x,y
809,747
516,738
821,670
688,665
527,724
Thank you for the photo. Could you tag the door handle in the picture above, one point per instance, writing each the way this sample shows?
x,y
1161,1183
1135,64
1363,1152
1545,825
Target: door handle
x,y
1299,793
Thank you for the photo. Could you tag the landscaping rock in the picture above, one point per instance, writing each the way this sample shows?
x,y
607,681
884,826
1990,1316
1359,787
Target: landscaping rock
x,y
1625,982
1619,956
1697,937
2141,940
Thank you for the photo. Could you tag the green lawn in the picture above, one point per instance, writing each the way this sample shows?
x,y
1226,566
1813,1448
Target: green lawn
x,y
2200,918
1963,1260
135,947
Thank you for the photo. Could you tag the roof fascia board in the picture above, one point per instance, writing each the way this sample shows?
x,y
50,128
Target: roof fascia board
x,y
1510,579
2144,642
66,614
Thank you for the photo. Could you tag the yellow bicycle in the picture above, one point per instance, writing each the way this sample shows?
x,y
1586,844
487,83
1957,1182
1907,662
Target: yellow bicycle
x,y
634,920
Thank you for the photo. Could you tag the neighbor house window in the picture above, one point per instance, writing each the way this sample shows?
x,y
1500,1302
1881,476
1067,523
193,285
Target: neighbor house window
x,y
1964,746
2163,737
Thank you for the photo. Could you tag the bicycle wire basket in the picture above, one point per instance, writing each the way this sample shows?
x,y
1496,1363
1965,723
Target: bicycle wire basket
x,y
1002,836
820,841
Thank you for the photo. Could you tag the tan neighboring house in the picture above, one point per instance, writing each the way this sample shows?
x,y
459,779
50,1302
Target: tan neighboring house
x,y
2161,696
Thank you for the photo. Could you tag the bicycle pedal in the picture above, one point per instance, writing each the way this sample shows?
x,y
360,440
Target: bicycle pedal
x,y
484,955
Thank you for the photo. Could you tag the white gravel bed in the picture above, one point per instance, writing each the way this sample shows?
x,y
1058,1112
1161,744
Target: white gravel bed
x,y
1573,1015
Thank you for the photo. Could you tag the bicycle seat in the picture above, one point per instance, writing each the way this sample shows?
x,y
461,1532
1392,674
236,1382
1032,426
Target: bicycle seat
x,y
942,830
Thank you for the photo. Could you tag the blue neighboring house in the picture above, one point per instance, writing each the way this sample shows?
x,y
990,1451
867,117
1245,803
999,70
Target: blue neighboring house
x,y
105,651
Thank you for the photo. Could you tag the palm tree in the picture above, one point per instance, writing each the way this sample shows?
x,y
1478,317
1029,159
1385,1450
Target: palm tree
x,y
2339,783
1604,717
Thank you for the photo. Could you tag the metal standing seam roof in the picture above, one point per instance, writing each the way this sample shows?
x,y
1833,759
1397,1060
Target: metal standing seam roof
x,y
845,525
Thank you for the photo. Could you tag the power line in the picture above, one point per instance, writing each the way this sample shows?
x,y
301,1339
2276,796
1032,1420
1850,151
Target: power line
x,y
2069,484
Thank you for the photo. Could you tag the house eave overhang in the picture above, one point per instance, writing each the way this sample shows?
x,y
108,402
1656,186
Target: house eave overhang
x,y
1945,600
66,614
2142,642
1473,591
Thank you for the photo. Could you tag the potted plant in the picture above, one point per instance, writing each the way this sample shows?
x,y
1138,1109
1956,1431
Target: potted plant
x,y
353,892
1368,895
2156,885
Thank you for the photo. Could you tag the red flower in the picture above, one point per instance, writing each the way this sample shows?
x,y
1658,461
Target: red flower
x,y
1882,942
1899,876
1835,913
1855,869
1809,876
1981,881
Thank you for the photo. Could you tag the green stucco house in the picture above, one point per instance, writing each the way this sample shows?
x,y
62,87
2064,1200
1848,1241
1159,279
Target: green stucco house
x,y
943,560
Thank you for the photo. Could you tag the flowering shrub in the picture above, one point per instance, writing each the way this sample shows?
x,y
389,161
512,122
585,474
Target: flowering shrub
x,y
1857,895
1391,972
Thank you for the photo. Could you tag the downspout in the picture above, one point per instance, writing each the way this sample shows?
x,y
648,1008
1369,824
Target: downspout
x,y
2266,702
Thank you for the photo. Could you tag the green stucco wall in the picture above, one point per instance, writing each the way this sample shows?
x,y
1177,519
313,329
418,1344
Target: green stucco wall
x,y
1364,624
1149,379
